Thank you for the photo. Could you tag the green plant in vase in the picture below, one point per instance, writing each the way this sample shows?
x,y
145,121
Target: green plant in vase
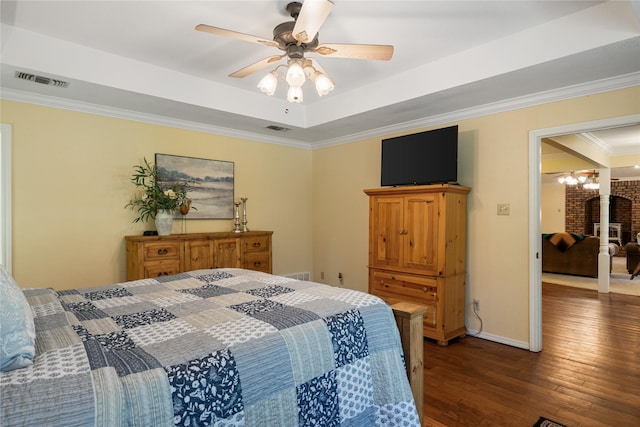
x,y
153,196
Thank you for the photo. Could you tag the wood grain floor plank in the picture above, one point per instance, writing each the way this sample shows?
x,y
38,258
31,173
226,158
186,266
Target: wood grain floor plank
x,y
588,373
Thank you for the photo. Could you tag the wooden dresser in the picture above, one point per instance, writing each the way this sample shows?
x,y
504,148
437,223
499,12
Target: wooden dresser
x,y
153,256
417,252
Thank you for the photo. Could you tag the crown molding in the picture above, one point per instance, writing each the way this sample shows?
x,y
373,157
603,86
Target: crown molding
x,y
561,94
564,93
119,113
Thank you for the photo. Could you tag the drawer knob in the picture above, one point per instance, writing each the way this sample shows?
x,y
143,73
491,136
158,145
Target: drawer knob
x,y
424,289
163,251
257,264
256,244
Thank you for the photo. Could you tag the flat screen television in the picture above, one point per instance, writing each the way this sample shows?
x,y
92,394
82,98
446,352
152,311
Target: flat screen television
x,y
429,157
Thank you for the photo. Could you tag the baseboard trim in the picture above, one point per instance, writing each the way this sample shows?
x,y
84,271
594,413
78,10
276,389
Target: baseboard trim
x,y
499,339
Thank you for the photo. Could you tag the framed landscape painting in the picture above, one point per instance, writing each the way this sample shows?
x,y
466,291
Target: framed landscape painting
x,y
211,188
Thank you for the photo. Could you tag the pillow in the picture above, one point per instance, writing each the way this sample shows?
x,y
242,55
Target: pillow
x,y
562,241
17,331
578,237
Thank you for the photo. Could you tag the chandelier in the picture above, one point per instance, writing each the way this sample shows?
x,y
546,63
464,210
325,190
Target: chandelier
x,y
589,181
298,71
592,183
572,179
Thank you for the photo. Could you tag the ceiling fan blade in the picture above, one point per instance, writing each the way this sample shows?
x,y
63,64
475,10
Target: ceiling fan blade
x,y
235,35
356,51
244,72
311,17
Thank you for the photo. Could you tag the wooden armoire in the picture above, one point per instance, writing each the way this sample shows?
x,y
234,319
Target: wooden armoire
x,y
417,252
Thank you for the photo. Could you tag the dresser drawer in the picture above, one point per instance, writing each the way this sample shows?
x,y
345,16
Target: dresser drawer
x,y
161,250
394,288
162,268
256,244
258,261
153,256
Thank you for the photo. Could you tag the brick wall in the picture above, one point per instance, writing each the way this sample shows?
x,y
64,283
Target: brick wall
x,y
583,208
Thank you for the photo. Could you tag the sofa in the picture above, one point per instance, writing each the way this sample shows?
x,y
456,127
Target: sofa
x,y
569,253
633,256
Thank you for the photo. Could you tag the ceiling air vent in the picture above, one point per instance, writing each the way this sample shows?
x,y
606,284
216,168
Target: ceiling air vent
x,y
40,79
278,128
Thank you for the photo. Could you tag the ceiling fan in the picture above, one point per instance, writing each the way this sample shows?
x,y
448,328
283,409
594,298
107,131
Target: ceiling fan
x,y
296,38
589,179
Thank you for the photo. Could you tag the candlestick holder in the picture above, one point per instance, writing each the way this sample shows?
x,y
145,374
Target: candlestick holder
x,y
244,214
236,224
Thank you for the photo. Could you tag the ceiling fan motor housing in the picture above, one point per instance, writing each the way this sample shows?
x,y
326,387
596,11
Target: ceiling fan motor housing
x,y
283,35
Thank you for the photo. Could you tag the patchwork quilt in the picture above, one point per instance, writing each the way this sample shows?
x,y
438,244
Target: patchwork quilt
x,y
224,347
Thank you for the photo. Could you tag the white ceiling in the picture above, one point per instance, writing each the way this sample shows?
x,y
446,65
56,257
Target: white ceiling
x,y
452,59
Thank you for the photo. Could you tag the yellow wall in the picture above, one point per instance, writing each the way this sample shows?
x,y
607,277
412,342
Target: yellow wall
x,y
71,181
552,198
494,162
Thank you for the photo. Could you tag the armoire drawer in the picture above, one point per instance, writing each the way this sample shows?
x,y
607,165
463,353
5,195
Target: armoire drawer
x,y
394,288
415,288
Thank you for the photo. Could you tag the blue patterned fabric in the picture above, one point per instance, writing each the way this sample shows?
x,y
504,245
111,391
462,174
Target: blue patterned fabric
x,y
210,347
205,390
17,330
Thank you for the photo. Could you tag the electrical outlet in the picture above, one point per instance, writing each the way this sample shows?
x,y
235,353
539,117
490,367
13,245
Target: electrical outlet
x,y
476,304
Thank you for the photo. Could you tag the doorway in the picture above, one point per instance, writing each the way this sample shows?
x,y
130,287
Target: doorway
x,y
535,170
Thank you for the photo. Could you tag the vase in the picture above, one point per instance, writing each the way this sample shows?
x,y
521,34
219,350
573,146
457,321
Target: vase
x,y
164,222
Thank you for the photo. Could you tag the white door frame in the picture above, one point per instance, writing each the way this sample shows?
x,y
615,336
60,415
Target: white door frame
x,y
535,244
5,203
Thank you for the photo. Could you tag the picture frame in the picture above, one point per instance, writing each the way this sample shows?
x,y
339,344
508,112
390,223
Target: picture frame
x,y
211,184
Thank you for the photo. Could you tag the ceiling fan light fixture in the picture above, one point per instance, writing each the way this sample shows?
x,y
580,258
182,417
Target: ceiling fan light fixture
x,y
294,94
572,179
309,71
295,74
269,83
324,85
591,184
296,38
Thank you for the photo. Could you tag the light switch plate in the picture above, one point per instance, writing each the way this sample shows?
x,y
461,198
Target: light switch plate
x,y
503,209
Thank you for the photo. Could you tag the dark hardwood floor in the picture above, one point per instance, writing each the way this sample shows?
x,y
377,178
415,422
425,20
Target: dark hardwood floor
x,y
588,373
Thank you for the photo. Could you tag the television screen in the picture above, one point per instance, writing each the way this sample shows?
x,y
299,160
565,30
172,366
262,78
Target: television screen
x,y
429,157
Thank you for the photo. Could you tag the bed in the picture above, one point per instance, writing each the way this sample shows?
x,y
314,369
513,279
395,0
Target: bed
x,y
220,347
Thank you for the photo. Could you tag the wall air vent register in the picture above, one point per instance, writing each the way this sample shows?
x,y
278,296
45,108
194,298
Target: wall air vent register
x,y
41,79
